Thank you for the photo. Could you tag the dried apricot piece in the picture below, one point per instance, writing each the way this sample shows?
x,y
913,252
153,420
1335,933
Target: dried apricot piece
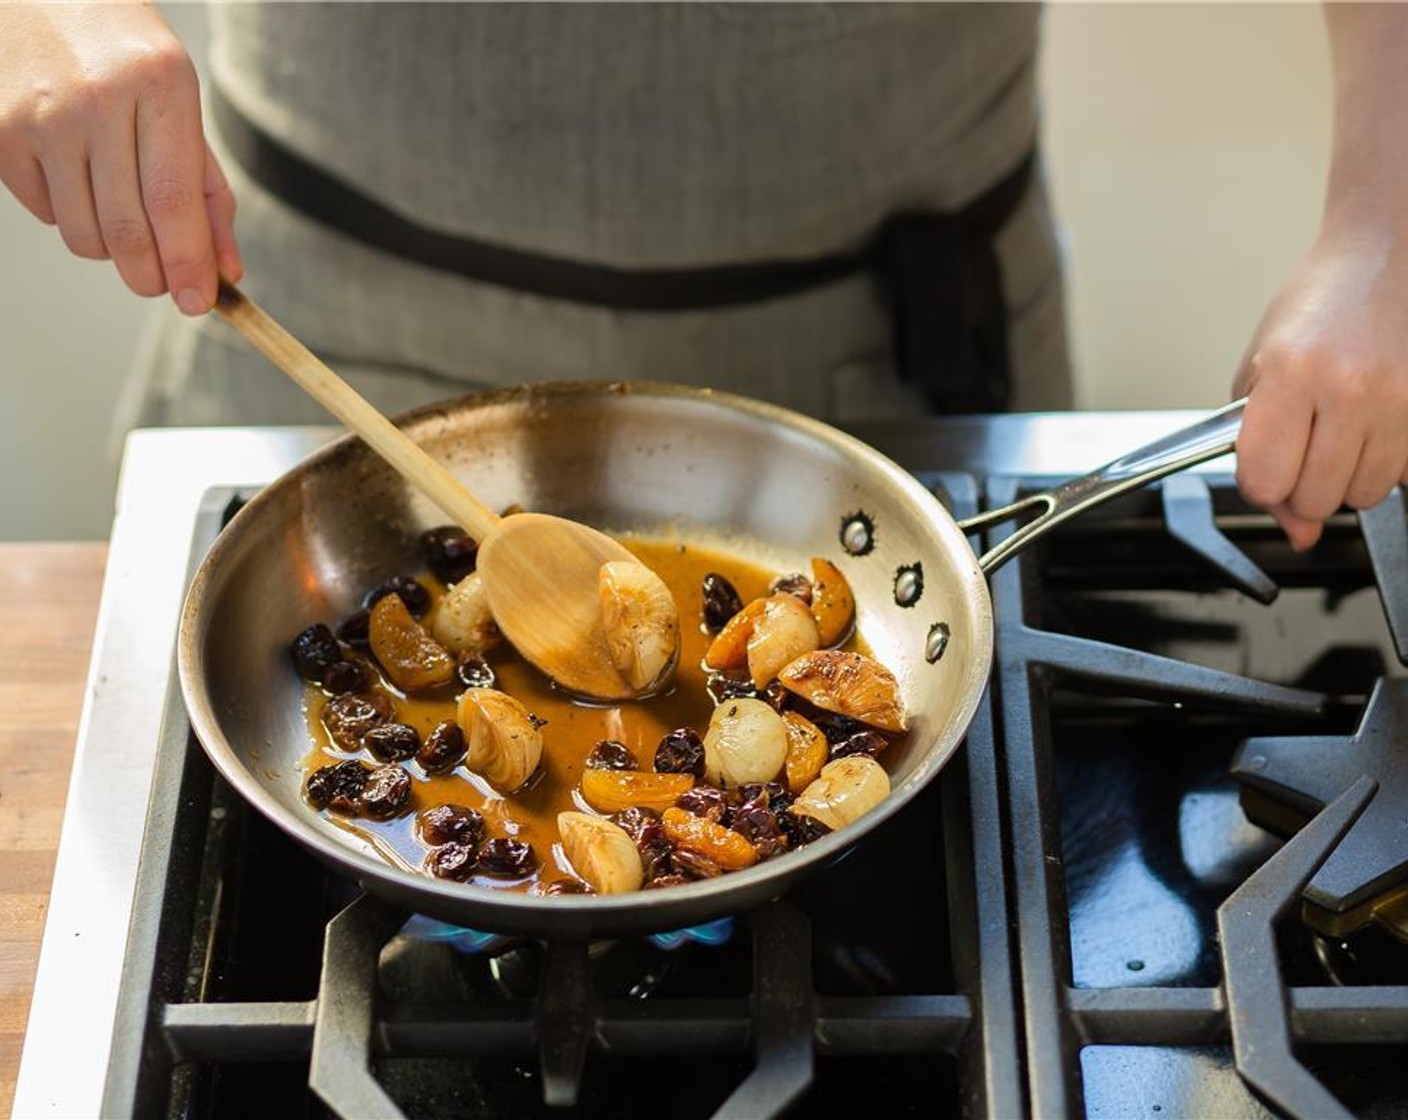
x,y
729,650
412,658
807,751
833,604
725,847
612,791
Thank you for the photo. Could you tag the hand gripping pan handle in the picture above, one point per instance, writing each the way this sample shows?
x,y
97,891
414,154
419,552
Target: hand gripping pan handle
x,y
1208,438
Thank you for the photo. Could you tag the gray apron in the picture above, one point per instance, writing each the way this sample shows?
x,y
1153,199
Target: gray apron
x,y
632,136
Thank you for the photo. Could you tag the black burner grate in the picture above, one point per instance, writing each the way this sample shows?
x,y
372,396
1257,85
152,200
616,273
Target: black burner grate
x,y
1160,973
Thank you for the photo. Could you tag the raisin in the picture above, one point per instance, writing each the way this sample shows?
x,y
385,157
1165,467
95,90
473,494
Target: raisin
x,y
314,652
391,742
336,787
508,859
722,688
721,601
443,749
349,717
449,551
387,792
355,630
347,676
708,802
413,594
474,671
776,697
445,824
800,828
673,880
681,751
695,866
610,754
862,742
566,886
451,861
795,584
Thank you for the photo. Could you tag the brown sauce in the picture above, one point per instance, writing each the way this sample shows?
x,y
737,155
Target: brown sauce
x,y
571,730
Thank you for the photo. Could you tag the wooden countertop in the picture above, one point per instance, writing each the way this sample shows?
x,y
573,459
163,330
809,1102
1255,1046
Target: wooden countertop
x,y
48,606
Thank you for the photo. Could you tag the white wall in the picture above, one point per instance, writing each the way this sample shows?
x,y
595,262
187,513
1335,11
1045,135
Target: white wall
x,y
1187,149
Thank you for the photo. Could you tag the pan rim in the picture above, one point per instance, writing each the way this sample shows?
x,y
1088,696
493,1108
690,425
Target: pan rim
x,y
364,867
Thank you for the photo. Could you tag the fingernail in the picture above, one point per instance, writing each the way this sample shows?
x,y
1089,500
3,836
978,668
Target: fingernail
x,y
191,302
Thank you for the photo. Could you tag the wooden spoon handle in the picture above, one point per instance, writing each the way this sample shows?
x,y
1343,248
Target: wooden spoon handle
x,y
344,402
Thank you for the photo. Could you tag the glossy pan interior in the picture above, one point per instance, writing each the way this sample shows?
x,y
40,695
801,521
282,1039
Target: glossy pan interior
x,y
758,480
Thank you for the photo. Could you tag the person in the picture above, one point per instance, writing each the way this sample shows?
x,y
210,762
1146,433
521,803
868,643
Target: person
x,y
837,208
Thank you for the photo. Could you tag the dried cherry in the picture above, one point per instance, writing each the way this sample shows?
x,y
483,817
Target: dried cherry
x,y
413,594
349,717
474,671
443,748
800,828
694,866
723,689
392,742
611,754
386,794
449,551
671,880
314,652
445,824
756,822
507,859
355,630
862,742
347,676
795,584
451,861
680,751
337,786
708,802
721,601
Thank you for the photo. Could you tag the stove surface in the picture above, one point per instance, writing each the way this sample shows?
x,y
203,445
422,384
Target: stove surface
x,y
1126,833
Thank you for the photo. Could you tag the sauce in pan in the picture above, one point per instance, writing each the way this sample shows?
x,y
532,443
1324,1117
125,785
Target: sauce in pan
x,y
570,728
571,731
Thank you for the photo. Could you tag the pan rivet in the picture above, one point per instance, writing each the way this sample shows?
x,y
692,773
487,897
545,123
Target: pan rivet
x,y
909,584
857,533
937,642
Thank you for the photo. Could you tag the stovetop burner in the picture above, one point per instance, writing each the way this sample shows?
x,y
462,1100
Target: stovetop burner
x,y
1288,779
1099,929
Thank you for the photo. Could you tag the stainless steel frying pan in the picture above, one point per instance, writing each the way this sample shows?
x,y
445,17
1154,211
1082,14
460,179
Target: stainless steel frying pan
x,y
756,479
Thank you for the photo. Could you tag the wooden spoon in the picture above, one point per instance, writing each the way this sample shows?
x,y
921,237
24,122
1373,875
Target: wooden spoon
x,y
541,573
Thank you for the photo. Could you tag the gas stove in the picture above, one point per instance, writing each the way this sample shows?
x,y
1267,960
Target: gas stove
x,y
1167,875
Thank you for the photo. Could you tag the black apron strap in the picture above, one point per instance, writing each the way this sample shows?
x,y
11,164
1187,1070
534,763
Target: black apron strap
x,y
939,269
945,289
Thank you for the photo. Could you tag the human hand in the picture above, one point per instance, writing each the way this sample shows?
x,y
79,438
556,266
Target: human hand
x,y
100,134
1326,424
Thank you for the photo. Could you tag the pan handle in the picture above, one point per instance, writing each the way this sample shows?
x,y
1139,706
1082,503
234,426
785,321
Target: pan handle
x,y
1208,438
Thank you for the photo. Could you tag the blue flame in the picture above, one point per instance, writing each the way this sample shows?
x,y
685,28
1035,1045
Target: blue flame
x,y
710,933
478,941
465,940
